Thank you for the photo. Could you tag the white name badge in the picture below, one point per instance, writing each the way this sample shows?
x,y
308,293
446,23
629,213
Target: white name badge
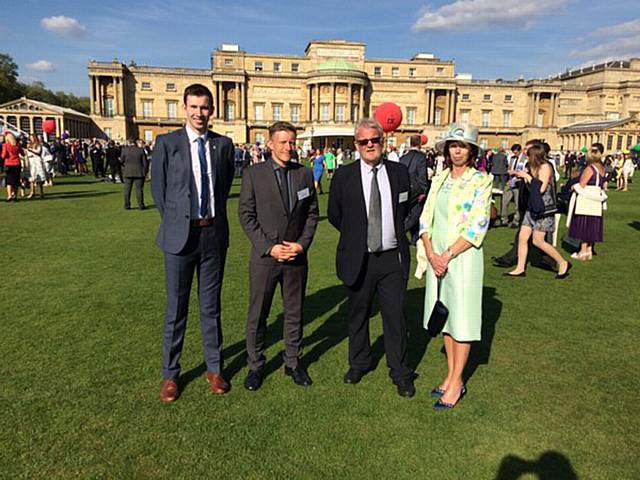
x,y
404,196
304,193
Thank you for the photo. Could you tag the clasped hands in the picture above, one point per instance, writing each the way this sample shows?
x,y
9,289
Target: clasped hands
x,y
285,251
440,262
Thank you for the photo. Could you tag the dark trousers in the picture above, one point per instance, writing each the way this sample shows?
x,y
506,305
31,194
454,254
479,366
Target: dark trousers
x,y
203,255
98,168
500,180
412,221
139,184
381,274
116,171
263,280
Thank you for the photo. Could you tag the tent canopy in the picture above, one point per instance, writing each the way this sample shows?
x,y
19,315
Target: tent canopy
x,y
327,132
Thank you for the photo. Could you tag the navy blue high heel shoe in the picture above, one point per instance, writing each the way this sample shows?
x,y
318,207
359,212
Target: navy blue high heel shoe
x,y
436,392
440,405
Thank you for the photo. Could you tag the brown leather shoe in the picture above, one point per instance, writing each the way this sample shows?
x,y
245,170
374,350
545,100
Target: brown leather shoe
x,y
217,383
169,391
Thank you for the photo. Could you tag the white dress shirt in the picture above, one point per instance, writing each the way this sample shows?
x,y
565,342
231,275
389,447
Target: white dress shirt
x,y
389,240
195,168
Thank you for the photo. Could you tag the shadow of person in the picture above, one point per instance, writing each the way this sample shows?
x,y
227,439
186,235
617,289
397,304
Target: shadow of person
x,y
481,351
315,306
549,466
634,224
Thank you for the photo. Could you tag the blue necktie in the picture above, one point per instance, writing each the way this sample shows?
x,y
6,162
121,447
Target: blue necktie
x,y
204,179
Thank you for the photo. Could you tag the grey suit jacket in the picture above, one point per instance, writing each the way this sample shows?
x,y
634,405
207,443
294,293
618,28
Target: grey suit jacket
x,y
172,184
134,160
263,215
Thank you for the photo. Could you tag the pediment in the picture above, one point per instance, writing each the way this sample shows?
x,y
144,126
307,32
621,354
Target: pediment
x,y
24,105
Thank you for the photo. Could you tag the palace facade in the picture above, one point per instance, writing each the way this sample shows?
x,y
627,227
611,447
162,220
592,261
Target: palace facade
x,y
326,90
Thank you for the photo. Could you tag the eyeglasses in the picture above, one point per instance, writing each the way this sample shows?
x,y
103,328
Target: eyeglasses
x,y
365,141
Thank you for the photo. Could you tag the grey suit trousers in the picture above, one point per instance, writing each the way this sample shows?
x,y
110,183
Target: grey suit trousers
x,y
203,255
263,280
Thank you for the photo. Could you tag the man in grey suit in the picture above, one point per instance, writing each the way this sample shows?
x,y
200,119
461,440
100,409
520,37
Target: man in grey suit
x,y
191,178
135,168
416,163
278,210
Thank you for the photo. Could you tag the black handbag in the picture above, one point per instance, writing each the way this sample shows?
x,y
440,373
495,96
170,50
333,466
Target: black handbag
x,y
537,207
438,317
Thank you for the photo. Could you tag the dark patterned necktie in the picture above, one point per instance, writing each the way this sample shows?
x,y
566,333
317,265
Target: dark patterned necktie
x,y
204,179
374,227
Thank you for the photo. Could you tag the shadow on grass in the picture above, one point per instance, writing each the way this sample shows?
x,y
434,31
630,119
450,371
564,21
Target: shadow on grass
x,y
549,466
76,194
634,224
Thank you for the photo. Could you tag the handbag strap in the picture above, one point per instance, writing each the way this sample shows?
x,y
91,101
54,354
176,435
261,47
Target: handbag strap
x,y
439,282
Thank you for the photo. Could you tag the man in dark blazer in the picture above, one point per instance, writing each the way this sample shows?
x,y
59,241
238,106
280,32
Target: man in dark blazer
x,y
368,204
278,210
416,163
135,167
191,178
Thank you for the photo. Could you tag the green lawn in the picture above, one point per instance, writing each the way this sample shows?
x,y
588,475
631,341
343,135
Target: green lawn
x,y
551,394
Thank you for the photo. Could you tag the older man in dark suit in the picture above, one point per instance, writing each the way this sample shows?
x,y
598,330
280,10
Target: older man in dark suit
x,y
368,205
192,176
278,210
135,167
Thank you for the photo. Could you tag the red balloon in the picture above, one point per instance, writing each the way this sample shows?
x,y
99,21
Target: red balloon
x,y
49,126
423,139
389,115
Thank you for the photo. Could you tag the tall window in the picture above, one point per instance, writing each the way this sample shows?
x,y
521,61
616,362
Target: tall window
x,y
108,107
484,143
464,114
505,143
609,142
260,138
277,112
148,136
486,116
324,112
539,119
411,115
619,144
506,118
354,112
108,132
172,109
437,117
229,111
147,109
295,113
340,112
259,111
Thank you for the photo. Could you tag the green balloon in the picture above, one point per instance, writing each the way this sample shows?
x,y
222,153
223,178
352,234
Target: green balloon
x,y
636,148
584,149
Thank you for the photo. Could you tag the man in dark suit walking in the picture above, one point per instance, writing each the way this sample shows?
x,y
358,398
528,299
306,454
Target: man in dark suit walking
x,y
368,204
192,176
135,168
278,210
416,163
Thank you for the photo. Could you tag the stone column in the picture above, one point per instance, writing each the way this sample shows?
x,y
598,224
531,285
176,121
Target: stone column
x,y
332,103
308,103
432,107
349,115
115,95
426,105
236,113
362,87
317,102
92,97
537,109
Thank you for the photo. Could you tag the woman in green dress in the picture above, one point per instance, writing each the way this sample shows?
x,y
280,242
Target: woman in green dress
x,y
453,225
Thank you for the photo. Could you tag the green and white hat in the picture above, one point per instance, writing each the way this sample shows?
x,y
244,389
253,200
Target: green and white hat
x,y
461,132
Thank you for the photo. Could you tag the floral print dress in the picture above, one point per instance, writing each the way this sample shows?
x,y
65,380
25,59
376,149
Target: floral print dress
x,y
458,208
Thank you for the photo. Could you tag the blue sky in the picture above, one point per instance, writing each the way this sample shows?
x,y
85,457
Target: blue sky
x,y
52,41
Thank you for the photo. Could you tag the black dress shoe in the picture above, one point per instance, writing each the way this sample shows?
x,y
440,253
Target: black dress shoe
x,y
354,376
564,275
299,375
406,388
254,380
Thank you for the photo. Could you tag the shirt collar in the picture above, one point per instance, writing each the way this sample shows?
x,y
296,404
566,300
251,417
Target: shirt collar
x,y
275,165
366,168
193,135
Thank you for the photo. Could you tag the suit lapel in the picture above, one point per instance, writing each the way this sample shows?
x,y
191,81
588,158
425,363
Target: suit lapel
x,y
393,183
185,154
359,192
272,182
295,182
213,154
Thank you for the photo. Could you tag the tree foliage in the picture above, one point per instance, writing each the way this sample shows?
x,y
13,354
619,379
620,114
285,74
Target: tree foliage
x,y
11,88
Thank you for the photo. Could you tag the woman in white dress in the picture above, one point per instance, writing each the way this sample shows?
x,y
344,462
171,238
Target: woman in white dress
x,y
37,175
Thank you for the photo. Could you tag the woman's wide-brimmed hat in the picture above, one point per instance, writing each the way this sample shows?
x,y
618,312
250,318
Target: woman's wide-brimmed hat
x,y
460,132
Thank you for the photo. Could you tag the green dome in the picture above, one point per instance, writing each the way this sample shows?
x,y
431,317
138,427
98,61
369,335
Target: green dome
x,y
337,65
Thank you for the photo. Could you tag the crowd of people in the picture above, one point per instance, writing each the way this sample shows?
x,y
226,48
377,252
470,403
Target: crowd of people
x,y
443,201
